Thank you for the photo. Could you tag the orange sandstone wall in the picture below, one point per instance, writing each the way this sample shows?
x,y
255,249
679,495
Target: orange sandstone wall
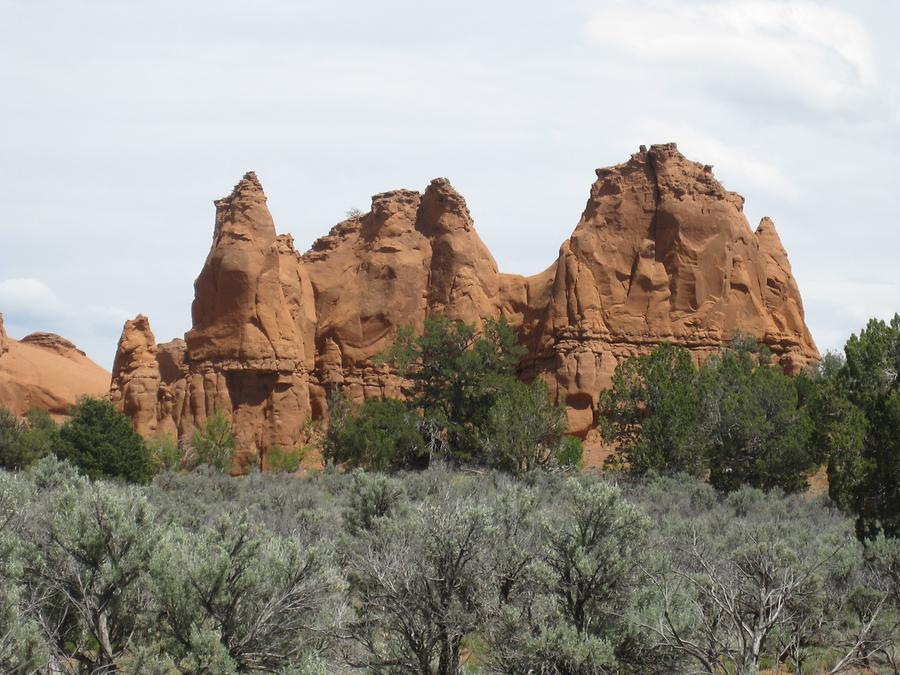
x,y
662,253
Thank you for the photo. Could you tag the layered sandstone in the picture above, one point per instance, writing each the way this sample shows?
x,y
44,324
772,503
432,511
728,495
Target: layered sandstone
x,y
47,372
662,253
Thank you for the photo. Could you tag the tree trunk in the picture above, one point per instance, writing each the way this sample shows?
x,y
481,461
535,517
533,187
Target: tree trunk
x,y
449,661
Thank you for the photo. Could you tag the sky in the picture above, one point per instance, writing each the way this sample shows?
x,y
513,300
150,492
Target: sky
x,y
121,122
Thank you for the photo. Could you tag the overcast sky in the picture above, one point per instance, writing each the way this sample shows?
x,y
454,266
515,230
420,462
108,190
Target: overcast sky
x,y
121,121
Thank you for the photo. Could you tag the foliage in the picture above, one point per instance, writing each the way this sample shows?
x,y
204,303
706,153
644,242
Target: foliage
x,y
283,460
524,429
23,647
23,442
737,418
861,411
239,595
165,452
213,443
101,442
417,583
654,414
417,572
457,373
748,577
570,452
373,497
91,547
757,432
382,434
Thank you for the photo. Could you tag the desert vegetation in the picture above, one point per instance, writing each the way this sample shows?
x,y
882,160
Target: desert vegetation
x,y
436,571
454,532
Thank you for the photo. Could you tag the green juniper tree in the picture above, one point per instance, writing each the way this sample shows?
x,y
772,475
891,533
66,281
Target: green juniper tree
x,y
457,372
653,413
859,408
101,442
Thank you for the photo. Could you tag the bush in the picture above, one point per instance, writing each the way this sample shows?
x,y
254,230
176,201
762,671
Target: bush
x,y
382,434
165,452
23,442
281,460
372,498
570,453
860,414
419,584
243,596
738,418
653,413
457,372
758,434
101,442
749,577
203,572
524,429
213,444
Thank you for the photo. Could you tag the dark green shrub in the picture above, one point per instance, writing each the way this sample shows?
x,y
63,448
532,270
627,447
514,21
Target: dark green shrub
x,y
101,442
859,422
738,417
653,413
23,442
756,430
457,373
524,429
382,434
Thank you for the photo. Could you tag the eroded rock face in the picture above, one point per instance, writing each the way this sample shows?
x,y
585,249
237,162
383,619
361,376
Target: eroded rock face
x,y
3,338
47,372
662,253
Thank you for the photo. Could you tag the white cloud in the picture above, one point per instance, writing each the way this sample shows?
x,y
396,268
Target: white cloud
x,y
738,167
779,49
30,305
31,298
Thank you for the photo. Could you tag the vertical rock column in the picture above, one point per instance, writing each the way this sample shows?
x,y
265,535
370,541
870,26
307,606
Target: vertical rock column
x,y
245,354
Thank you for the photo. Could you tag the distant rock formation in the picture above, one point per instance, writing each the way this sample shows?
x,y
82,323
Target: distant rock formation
x,y
47,372
3,338
662,253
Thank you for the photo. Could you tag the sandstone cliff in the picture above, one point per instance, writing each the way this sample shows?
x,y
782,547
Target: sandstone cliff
x,y
46,371
662,253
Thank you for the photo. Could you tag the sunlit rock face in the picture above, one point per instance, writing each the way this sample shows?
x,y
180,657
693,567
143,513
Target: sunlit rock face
x,y
662,253
44,371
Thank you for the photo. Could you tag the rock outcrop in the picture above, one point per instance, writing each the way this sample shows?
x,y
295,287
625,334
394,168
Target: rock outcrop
x,y
3,338
45,371
662,253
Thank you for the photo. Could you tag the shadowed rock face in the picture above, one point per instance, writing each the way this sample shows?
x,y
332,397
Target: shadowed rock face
x,y
662,253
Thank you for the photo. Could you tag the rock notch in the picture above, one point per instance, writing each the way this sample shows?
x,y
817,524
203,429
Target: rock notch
x,y
662,253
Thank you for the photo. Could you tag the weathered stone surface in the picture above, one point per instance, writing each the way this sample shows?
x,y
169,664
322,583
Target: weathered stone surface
x,y
45,371
3,338
662,253
136,376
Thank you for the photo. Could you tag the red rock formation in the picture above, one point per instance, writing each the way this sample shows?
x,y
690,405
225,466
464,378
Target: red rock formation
x,y
662,253
3,338
47,372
